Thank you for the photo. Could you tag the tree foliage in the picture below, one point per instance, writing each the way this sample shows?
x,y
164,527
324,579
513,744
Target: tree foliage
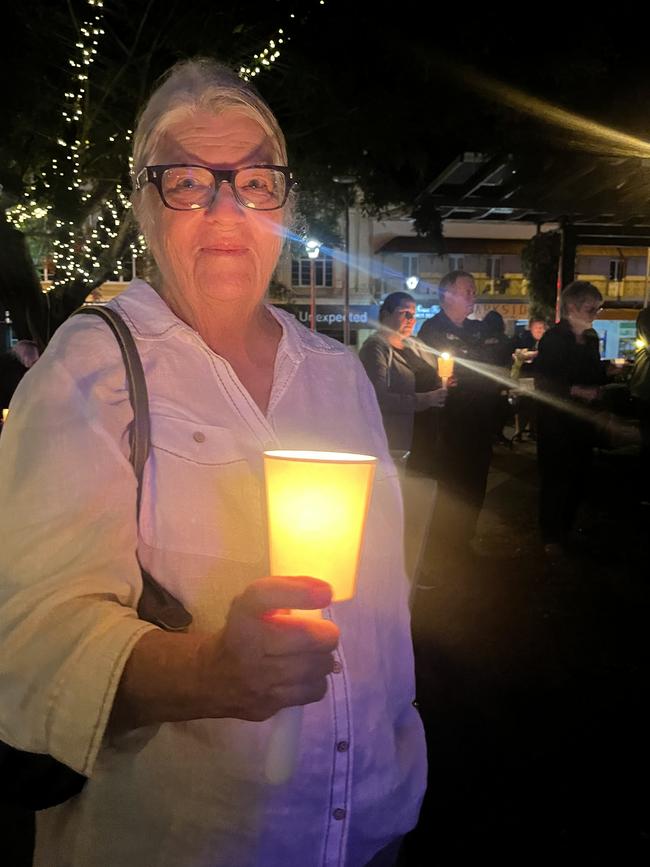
x,y
357,93
540,261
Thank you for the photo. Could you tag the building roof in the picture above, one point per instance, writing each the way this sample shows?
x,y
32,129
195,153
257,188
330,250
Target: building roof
x,y
489,246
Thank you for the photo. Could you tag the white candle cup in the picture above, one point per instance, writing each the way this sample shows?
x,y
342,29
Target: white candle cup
x,y
317,504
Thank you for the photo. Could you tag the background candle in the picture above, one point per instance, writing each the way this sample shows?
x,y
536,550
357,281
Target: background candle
x,y
445,367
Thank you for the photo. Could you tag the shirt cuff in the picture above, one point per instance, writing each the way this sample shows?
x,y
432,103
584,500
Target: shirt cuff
x,y
81,707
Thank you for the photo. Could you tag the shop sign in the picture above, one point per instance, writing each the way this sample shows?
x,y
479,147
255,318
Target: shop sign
x,y
517,310
332,315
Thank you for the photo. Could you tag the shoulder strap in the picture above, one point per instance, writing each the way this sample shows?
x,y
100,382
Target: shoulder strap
x,y
157,605
140,434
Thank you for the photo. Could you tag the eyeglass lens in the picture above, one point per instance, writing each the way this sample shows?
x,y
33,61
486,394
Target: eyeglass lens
x,y
191,187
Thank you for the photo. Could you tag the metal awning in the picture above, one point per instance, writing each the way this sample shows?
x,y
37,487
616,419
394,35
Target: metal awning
x,y
606,199
487,246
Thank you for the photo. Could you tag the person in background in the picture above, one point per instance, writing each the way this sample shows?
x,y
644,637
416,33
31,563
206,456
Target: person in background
x,y
496,344
640,390
569,375
466,431
13,366
497,352
524,355
171,729
406,381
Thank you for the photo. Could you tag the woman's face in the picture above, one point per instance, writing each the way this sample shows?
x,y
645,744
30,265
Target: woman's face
x,y
582,315
224,253
402,319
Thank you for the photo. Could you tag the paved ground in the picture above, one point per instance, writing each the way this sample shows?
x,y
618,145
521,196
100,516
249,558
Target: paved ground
x,y
533,684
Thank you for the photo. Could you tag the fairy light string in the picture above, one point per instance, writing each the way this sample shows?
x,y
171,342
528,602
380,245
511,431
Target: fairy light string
x,y
80,251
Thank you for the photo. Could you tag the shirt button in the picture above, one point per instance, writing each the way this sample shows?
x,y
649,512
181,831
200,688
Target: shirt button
x,y
198,436
339,814
336,668
343,746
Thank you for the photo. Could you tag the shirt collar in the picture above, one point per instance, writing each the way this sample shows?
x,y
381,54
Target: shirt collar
x,y
146,312
150,317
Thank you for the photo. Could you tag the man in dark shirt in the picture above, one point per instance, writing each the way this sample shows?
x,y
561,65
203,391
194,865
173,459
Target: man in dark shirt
x,y
466,431
570,373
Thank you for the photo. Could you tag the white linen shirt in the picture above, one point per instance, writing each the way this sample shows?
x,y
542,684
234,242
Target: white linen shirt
x,y
193,794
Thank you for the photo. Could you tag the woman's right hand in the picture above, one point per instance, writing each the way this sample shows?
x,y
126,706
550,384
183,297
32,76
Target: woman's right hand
x,y
261,661
265,659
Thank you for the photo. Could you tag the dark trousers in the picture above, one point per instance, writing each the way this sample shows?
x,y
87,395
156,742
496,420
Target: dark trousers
x,y
564,457
527,413
462,467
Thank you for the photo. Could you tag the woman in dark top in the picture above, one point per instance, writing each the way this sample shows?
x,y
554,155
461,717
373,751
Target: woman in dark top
x,y
406,382
569,373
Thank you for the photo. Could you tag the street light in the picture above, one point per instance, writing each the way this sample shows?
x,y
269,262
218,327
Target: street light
x,y
412,283
347,181
313,251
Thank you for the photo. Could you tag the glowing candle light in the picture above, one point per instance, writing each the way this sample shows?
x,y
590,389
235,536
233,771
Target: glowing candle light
x,y
317,504
445,367
5,413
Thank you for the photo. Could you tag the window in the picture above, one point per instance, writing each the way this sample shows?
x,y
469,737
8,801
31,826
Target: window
x,y
456,262
493,267
300,271
616,269
410,265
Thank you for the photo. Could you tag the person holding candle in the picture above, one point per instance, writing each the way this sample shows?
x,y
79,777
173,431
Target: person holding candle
x,y
465,445
406,381
172,729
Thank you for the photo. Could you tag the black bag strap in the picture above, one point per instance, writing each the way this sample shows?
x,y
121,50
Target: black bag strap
x,y
140,433
157,605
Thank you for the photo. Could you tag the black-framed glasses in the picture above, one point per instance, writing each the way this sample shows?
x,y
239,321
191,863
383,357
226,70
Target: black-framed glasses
x,y
182,187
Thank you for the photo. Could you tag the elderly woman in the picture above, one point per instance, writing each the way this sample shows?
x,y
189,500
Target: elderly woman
x,y
172,729
568,368
406,382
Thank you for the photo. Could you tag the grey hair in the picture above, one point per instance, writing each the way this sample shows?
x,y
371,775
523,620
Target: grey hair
x,y
577,293
449,280
188,87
